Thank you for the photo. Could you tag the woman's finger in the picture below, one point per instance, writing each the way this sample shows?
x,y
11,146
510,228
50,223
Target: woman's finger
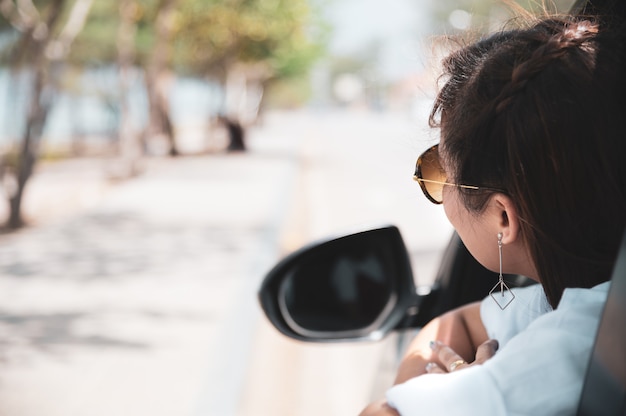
x,y
448,357
433,368
486,350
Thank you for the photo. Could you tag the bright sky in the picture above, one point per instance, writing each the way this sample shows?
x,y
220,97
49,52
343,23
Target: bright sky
x,y
397,25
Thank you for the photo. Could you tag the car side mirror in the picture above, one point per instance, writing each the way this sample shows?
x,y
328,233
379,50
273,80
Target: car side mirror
x,y
353,287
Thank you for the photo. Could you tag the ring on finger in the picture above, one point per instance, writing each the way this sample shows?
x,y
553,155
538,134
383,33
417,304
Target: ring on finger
x,y
456,363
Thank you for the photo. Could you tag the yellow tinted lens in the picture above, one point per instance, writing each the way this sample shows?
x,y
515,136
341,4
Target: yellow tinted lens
x,y
429,169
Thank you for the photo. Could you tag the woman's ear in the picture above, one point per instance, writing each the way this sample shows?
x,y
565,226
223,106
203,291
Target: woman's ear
x,y
506,218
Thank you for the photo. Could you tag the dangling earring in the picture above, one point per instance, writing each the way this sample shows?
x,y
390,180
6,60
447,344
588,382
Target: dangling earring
x,y
506,296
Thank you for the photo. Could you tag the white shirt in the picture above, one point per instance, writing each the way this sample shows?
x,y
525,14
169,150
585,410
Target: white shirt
x,y
538,369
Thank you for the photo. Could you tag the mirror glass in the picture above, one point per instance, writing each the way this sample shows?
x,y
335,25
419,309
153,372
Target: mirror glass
x,y
339,289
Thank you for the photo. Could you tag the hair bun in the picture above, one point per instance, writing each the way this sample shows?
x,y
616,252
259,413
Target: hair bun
x,y
553,40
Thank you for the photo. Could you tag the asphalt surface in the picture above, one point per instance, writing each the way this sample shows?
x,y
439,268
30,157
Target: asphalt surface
x,y
139,297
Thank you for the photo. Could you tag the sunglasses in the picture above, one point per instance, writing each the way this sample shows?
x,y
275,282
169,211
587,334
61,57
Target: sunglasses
x,y
432,177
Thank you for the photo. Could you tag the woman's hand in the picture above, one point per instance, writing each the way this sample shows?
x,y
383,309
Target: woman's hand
x,y
451,361
461,328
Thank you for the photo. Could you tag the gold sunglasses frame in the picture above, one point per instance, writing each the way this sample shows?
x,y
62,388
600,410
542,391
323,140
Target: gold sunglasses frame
x,y
418,178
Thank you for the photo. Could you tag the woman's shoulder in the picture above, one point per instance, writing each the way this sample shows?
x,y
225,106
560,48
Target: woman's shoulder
x,y
559,340
574,296
578,312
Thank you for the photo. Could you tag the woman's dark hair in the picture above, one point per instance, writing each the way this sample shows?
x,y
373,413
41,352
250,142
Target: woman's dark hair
x,y
540,112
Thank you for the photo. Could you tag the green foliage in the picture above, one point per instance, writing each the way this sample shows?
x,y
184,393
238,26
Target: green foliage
x,y
209,36
212,35
96,44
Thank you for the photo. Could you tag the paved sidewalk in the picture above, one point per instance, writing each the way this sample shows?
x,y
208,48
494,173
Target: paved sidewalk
x,y
125,309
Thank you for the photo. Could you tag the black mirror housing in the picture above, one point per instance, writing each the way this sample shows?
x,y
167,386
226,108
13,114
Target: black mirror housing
x,y
356,286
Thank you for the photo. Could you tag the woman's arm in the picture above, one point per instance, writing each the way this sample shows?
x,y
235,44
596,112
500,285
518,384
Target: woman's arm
x,y
461,329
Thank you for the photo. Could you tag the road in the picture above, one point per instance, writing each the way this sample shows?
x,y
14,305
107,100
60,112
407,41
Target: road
x,y
142,301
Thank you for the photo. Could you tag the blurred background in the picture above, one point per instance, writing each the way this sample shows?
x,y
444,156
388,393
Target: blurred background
x,y
158,157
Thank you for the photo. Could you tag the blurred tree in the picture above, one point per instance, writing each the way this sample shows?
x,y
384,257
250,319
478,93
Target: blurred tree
x,y
41,48
246,45
143,43
114,37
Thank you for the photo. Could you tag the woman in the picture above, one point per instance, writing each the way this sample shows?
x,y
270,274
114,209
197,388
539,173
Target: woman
x,y
531,173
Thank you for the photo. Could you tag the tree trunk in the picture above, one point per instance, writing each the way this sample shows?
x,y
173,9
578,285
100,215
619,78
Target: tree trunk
x,y
37,113
130,148
158,78
160,123
30,145
45,55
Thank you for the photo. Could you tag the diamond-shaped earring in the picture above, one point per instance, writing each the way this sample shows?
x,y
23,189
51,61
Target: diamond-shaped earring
x,y
506,295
